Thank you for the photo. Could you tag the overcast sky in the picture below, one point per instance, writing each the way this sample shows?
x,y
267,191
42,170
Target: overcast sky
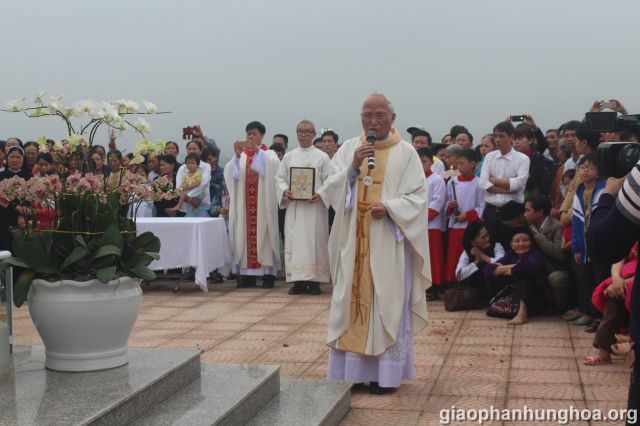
x,y
223,64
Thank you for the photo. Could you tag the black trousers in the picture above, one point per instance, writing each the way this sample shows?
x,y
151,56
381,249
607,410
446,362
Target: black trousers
x,y
492,221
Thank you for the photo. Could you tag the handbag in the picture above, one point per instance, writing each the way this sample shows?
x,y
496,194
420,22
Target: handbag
x,y
462,298
504,304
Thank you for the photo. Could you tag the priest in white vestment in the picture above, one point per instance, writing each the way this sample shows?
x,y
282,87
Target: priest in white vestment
x,y
379,254
253,209
306,225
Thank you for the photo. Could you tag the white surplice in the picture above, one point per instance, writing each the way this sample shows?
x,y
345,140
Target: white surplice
x,y
405,197
306,225
265,163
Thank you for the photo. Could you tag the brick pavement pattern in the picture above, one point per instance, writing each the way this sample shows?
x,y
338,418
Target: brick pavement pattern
x,y
463,359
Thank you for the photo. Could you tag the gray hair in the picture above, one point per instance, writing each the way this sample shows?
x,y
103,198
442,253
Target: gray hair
x,y
309,122
389,104
455,149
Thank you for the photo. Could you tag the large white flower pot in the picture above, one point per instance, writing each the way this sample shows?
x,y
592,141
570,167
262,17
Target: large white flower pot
x,y
85,326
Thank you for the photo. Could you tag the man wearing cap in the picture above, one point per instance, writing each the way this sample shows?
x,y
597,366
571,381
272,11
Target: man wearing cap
x,y
420,138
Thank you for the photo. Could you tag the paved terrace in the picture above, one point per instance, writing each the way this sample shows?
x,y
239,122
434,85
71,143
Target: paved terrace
x,y
464,359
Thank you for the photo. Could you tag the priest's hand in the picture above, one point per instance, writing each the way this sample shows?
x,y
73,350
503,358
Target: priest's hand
x,y
362,152
314,198
238,147
288,194
378,210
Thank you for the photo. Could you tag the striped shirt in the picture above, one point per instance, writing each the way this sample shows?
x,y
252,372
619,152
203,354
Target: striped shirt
x,y
628,201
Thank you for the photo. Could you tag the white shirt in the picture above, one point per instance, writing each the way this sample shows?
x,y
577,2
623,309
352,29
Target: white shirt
x,y
513,166
571,164
466,267
437,193
438,166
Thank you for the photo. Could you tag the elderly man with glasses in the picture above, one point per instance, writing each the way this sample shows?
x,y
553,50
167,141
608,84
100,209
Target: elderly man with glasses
x,y
306,226
379,253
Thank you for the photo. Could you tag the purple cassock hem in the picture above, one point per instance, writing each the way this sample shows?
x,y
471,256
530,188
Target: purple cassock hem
x,y
396,364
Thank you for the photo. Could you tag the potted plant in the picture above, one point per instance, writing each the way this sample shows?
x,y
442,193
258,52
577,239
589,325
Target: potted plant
x,y
81,275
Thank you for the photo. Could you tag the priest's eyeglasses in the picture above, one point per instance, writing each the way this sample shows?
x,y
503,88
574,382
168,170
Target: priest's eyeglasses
x,y
305,132
380,116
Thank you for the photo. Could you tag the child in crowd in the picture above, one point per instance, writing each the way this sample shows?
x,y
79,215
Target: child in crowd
x,y
440,152
465,204
436,191
145,208
114,161
192,180
588,275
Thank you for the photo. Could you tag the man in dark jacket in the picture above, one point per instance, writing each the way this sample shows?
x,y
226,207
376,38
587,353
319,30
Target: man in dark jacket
x,y
547,233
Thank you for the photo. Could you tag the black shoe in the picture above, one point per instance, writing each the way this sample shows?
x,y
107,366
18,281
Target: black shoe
x,y
246,281
298,288
376,389
268,281
314,289
357,386
216,277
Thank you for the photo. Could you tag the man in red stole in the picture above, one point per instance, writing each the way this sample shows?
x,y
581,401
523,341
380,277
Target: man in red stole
x,y
253,209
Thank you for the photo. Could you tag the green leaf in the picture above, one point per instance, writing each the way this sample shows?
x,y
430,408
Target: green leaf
x,y
107,274
31,250
77,254
80,240
111,236
153,255
143,272
13,261
107,250
147,241
21,290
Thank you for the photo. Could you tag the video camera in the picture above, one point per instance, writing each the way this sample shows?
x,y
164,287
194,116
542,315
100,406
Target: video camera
x,y
615,159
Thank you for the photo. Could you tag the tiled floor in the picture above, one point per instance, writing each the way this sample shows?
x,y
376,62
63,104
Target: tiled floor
x,y
465,360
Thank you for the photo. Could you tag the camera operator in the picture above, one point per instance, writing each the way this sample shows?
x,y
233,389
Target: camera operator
x,y
614,228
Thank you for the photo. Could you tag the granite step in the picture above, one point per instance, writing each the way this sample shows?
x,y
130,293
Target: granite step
x,y
306,403
225,394
31,395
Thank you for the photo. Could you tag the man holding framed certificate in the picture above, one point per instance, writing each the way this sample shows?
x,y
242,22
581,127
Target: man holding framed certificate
x,y
306,229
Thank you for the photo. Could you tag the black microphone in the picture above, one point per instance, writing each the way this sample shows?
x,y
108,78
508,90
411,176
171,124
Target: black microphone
x,y
371,138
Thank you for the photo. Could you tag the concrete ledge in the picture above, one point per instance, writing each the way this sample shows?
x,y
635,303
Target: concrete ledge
x,y
35,396
225,394
306,403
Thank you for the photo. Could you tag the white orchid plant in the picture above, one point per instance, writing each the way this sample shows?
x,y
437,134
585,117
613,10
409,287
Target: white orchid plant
x,y
91,235
115,114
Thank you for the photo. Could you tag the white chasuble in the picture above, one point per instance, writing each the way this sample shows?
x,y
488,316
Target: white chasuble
x,y
306,225
367,255
262,214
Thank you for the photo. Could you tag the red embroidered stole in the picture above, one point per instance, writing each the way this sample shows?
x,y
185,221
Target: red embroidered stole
x,y
251,204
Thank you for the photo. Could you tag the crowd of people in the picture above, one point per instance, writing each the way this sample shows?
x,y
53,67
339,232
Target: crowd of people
x,y
507,216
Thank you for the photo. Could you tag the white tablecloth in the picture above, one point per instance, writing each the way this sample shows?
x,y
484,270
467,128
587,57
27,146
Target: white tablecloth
x,y
199,242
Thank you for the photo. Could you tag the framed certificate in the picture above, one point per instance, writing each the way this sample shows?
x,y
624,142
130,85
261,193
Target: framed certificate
x,y
302,182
